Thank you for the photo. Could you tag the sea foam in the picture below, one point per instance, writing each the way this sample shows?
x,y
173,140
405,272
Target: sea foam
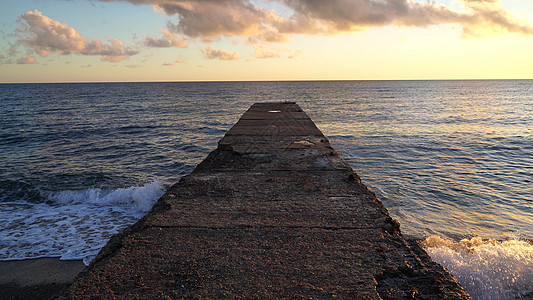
x,y
138,197
72,224
487,269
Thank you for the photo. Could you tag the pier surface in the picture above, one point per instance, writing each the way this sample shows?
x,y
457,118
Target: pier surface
x,y
273,212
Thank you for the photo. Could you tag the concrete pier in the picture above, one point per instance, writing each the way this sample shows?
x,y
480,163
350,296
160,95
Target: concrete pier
x,y
273,212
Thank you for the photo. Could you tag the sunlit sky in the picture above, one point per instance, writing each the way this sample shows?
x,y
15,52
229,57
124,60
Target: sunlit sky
x,y
203,40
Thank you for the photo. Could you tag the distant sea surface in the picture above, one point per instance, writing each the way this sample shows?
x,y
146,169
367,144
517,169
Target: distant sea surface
x,y
451,160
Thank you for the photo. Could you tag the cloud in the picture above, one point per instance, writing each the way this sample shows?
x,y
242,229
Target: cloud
x,y
180,60
172,63
113,52
169,40
209,19
222,54
212,19
46,35
147,57
28,60
261,52
295,54
132,66
486,16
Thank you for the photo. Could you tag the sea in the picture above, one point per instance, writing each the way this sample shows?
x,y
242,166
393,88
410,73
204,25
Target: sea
x,y
451,160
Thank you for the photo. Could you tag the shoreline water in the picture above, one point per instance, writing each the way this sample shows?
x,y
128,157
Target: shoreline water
x,y
486,268
39,278
452,162
46,277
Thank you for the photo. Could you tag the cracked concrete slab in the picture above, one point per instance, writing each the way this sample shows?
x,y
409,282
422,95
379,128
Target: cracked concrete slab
x,y
273,212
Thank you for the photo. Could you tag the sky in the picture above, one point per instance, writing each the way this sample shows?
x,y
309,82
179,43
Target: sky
x,y
227,40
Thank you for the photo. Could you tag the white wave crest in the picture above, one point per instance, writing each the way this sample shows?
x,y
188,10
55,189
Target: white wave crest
x,y
487,269
141,198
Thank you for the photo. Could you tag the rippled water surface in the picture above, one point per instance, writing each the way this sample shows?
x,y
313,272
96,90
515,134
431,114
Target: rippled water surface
x,y
449,159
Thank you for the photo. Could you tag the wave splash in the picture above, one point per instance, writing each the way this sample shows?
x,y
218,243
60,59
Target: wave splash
x,y
487,269
72,224
138,197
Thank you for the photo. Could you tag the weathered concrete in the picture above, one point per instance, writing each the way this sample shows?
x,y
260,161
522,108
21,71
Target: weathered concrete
x,y
272,213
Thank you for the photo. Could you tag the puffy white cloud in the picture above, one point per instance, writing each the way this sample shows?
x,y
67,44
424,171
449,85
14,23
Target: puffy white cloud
x,y
222,54
46,35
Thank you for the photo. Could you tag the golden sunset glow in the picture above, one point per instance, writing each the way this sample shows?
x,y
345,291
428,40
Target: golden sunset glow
x,y
165,40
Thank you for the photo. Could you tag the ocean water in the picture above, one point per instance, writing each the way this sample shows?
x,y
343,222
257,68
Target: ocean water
x,y
451,160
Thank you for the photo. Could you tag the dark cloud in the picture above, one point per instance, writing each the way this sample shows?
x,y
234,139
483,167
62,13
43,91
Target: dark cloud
x,y
206,19
478,17
212,19
347,15
209,19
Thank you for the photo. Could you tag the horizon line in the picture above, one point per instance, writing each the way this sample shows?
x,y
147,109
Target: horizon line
x,y
268,80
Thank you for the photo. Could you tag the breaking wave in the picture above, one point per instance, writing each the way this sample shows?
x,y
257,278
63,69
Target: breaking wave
x,y
487,269
72,224
141,198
